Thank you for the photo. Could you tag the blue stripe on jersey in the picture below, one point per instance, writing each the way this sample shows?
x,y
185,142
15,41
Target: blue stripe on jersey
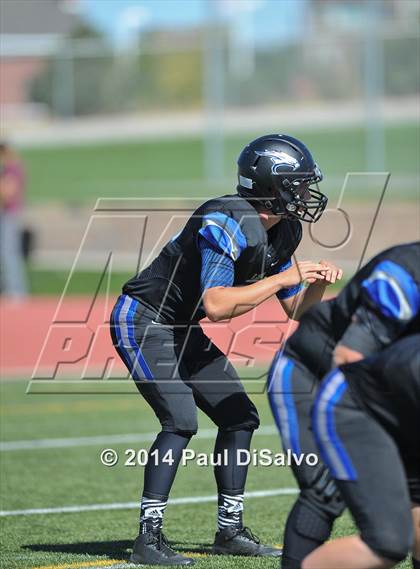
x,y
292,290
282,404
393,291
224,233
216,268
332,449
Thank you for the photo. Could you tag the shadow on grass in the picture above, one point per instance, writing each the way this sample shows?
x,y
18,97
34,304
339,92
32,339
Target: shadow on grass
x,y
112,549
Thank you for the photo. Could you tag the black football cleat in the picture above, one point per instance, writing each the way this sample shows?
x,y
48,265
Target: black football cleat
x,y
241,541
152,548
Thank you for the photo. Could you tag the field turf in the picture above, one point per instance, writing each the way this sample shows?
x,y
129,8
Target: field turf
x,y
82,173
65,476
52,282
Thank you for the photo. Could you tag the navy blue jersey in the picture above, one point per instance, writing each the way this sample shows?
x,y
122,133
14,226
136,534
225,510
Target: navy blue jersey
x,y
387,385
171,283
380,304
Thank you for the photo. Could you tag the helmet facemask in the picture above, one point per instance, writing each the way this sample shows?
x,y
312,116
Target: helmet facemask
x,y
297,198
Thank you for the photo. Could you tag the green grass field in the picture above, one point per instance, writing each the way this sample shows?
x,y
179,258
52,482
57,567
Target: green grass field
x,y
57,477
82,173
50,282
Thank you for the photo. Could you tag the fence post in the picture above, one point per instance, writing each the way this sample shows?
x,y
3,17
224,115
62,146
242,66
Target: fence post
x,y
63,84
374,88
213,94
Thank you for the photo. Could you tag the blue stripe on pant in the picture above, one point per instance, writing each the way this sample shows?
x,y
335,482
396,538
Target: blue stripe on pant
x,y
332,449
282,402
130,351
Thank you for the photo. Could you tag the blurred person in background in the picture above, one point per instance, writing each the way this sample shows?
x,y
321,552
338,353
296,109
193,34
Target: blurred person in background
x,y
12,185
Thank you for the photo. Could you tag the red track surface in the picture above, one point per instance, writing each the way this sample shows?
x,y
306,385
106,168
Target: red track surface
x,y
45,340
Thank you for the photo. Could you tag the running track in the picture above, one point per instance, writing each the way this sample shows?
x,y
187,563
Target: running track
x,y
39,332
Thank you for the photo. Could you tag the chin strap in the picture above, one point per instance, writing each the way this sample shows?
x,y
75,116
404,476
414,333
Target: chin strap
x,y
274,205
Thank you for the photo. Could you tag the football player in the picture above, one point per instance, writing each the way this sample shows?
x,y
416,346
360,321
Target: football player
x,y
380,304
366,420
233,254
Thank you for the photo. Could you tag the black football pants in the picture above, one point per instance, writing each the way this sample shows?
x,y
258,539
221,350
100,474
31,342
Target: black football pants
x,y
177,369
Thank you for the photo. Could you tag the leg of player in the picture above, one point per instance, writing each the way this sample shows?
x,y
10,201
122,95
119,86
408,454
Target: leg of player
x,y
291,388
366,465
219,393
173,403
159,474
415,510
232,538
231,477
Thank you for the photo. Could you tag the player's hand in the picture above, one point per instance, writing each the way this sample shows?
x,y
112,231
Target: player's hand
x,y
331,273
344,355
302,271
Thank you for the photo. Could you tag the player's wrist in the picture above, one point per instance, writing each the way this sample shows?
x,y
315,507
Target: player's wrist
x,y
284,282
280,281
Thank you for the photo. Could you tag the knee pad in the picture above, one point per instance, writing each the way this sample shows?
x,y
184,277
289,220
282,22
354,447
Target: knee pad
x,y
323,495
306,530
184,425
240,415
188,434
251,424
311,519
182,428
311,523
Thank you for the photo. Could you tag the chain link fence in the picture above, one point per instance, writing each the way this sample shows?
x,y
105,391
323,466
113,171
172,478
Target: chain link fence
x,y
86,78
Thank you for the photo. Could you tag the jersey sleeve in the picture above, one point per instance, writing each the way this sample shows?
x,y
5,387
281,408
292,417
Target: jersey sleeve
x,y
389,300
288,292
217,269
224,233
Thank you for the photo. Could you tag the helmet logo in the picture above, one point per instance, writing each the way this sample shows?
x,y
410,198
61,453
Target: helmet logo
x,y
279,158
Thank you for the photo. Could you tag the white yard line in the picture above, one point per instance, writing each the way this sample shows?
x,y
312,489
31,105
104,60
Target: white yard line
x,y
134,505
38,444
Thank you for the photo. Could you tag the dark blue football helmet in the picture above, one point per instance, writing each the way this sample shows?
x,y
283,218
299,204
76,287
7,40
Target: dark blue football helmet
x,y
277,171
